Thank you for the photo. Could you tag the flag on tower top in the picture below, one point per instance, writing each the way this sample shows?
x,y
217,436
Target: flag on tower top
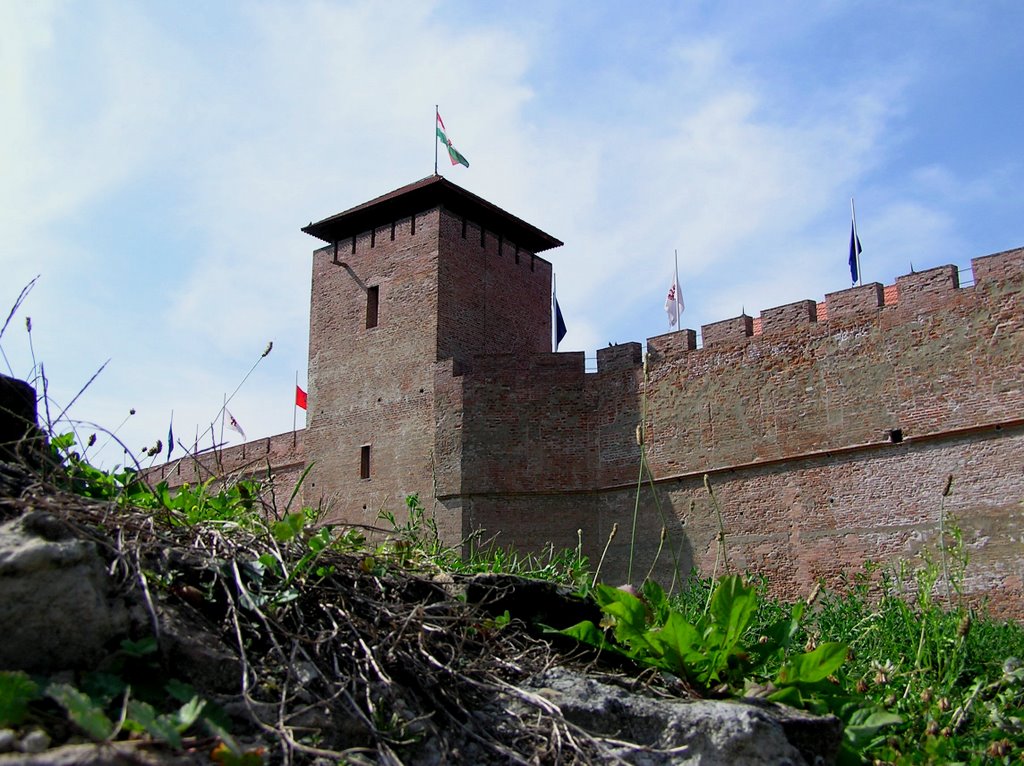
x,y
453,153
301,399
674,301
855,251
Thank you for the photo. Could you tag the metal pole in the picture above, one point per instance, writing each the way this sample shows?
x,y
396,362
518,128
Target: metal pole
x,y
675,275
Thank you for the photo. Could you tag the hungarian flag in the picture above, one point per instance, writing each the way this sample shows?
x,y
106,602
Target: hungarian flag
x,y
453,153
300,398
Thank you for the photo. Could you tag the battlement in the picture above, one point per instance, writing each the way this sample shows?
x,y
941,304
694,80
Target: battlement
x,y
911,295
828,428
281,458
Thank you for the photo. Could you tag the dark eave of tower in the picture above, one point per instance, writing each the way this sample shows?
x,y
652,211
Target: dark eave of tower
x,y
427,194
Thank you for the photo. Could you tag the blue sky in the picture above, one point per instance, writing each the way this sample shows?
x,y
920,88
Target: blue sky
x,y
157,161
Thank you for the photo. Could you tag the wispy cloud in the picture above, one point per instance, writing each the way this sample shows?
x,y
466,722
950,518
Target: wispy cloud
x,y
158,162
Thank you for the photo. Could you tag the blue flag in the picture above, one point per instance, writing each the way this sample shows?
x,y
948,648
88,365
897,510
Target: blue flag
x,y
559,325
855,250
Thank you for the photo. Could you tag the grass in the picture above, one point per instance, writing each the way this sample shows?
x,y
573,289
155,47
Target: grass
x,y
923,681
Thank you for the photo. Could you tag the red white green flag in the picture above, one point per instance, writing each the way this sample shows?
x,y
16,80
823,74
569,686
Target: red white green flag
x,y
453,153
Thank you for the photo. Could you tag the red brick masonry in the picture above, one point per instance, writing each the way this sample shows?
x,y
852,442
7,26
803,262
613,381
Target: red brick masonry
x,y
827,436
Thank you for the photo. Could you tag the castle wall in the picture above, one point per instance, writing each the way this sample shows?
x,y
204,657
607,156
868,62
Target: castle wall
x,y
827,430
373,386
494,297
277,461
827,442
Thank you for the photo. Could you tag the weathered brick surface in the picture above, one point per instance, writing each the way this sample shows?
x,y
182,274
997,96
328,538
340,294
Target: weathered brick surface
x,y
854,302
827,435
999,267
278,460
734,330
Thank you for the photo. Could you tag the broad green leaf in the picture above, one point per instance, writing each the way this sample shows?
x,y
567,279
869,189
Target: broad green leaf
x,y
320,540
813,666
587,633
625,607
189,713
85,713
732,607
140,648
160,726
289,527
16,691
678,642
269,560
655,596
180,690
103,687
865,724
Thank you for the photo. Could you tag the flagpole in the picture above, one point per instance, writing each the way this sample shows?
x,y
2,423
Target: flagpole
x,y
223,414
295,404
675,274
554,319
856,239
436,113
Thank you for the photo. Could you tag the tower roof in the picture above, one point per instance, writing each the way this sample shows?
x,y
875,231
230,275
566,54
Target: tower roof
x,y
423,195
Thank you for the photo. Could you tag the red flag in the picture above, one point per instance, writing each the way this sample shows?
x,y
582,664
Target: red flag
x,y
300,398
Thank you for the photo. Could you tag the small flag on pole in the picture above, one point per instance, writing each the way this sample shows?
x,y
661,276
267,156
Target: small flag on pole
x,y
855,251
301,399
233,424
560,329
170,436
674,301
453,153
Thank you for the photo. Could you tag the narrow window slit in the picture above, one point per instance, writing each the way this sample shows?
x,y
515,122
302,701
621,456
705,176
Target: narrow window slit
x,y
372,305
364,462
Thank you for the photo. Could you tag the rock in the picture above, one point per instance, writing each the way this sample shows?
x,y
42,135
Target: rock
x,y
535,602
705,732
55,597
110,754
35,741
8,740
196,653
18,428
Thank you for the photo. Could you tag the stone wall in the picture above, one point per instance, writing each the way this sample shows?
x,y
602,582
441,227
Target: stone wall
x,y
828,442
828,430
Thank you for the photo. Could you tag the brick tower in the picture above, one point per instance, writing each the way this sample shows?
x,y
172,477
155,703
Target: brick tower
x,y
410,287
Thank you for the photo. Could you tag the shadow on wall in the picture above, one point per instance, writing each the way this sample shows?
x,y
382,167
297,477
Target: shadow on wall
x,y
660,548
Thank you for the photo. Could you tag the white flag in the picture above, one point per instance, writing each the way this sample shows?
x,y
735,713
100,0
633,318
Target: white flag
x,y
233,424
674,301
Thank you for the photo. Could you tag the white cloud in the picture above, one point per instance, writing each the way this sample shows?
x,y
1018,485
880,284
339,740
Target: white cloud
x,y
688,129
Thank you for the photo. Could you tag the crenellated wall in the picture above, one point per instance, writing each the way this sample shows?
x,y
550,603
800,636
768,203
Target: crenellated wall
x,y
278,459
826,442
827,430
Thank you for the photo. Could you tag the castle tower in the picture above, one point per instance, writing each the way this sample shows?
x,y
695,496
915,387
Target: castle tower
x,y
409,288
